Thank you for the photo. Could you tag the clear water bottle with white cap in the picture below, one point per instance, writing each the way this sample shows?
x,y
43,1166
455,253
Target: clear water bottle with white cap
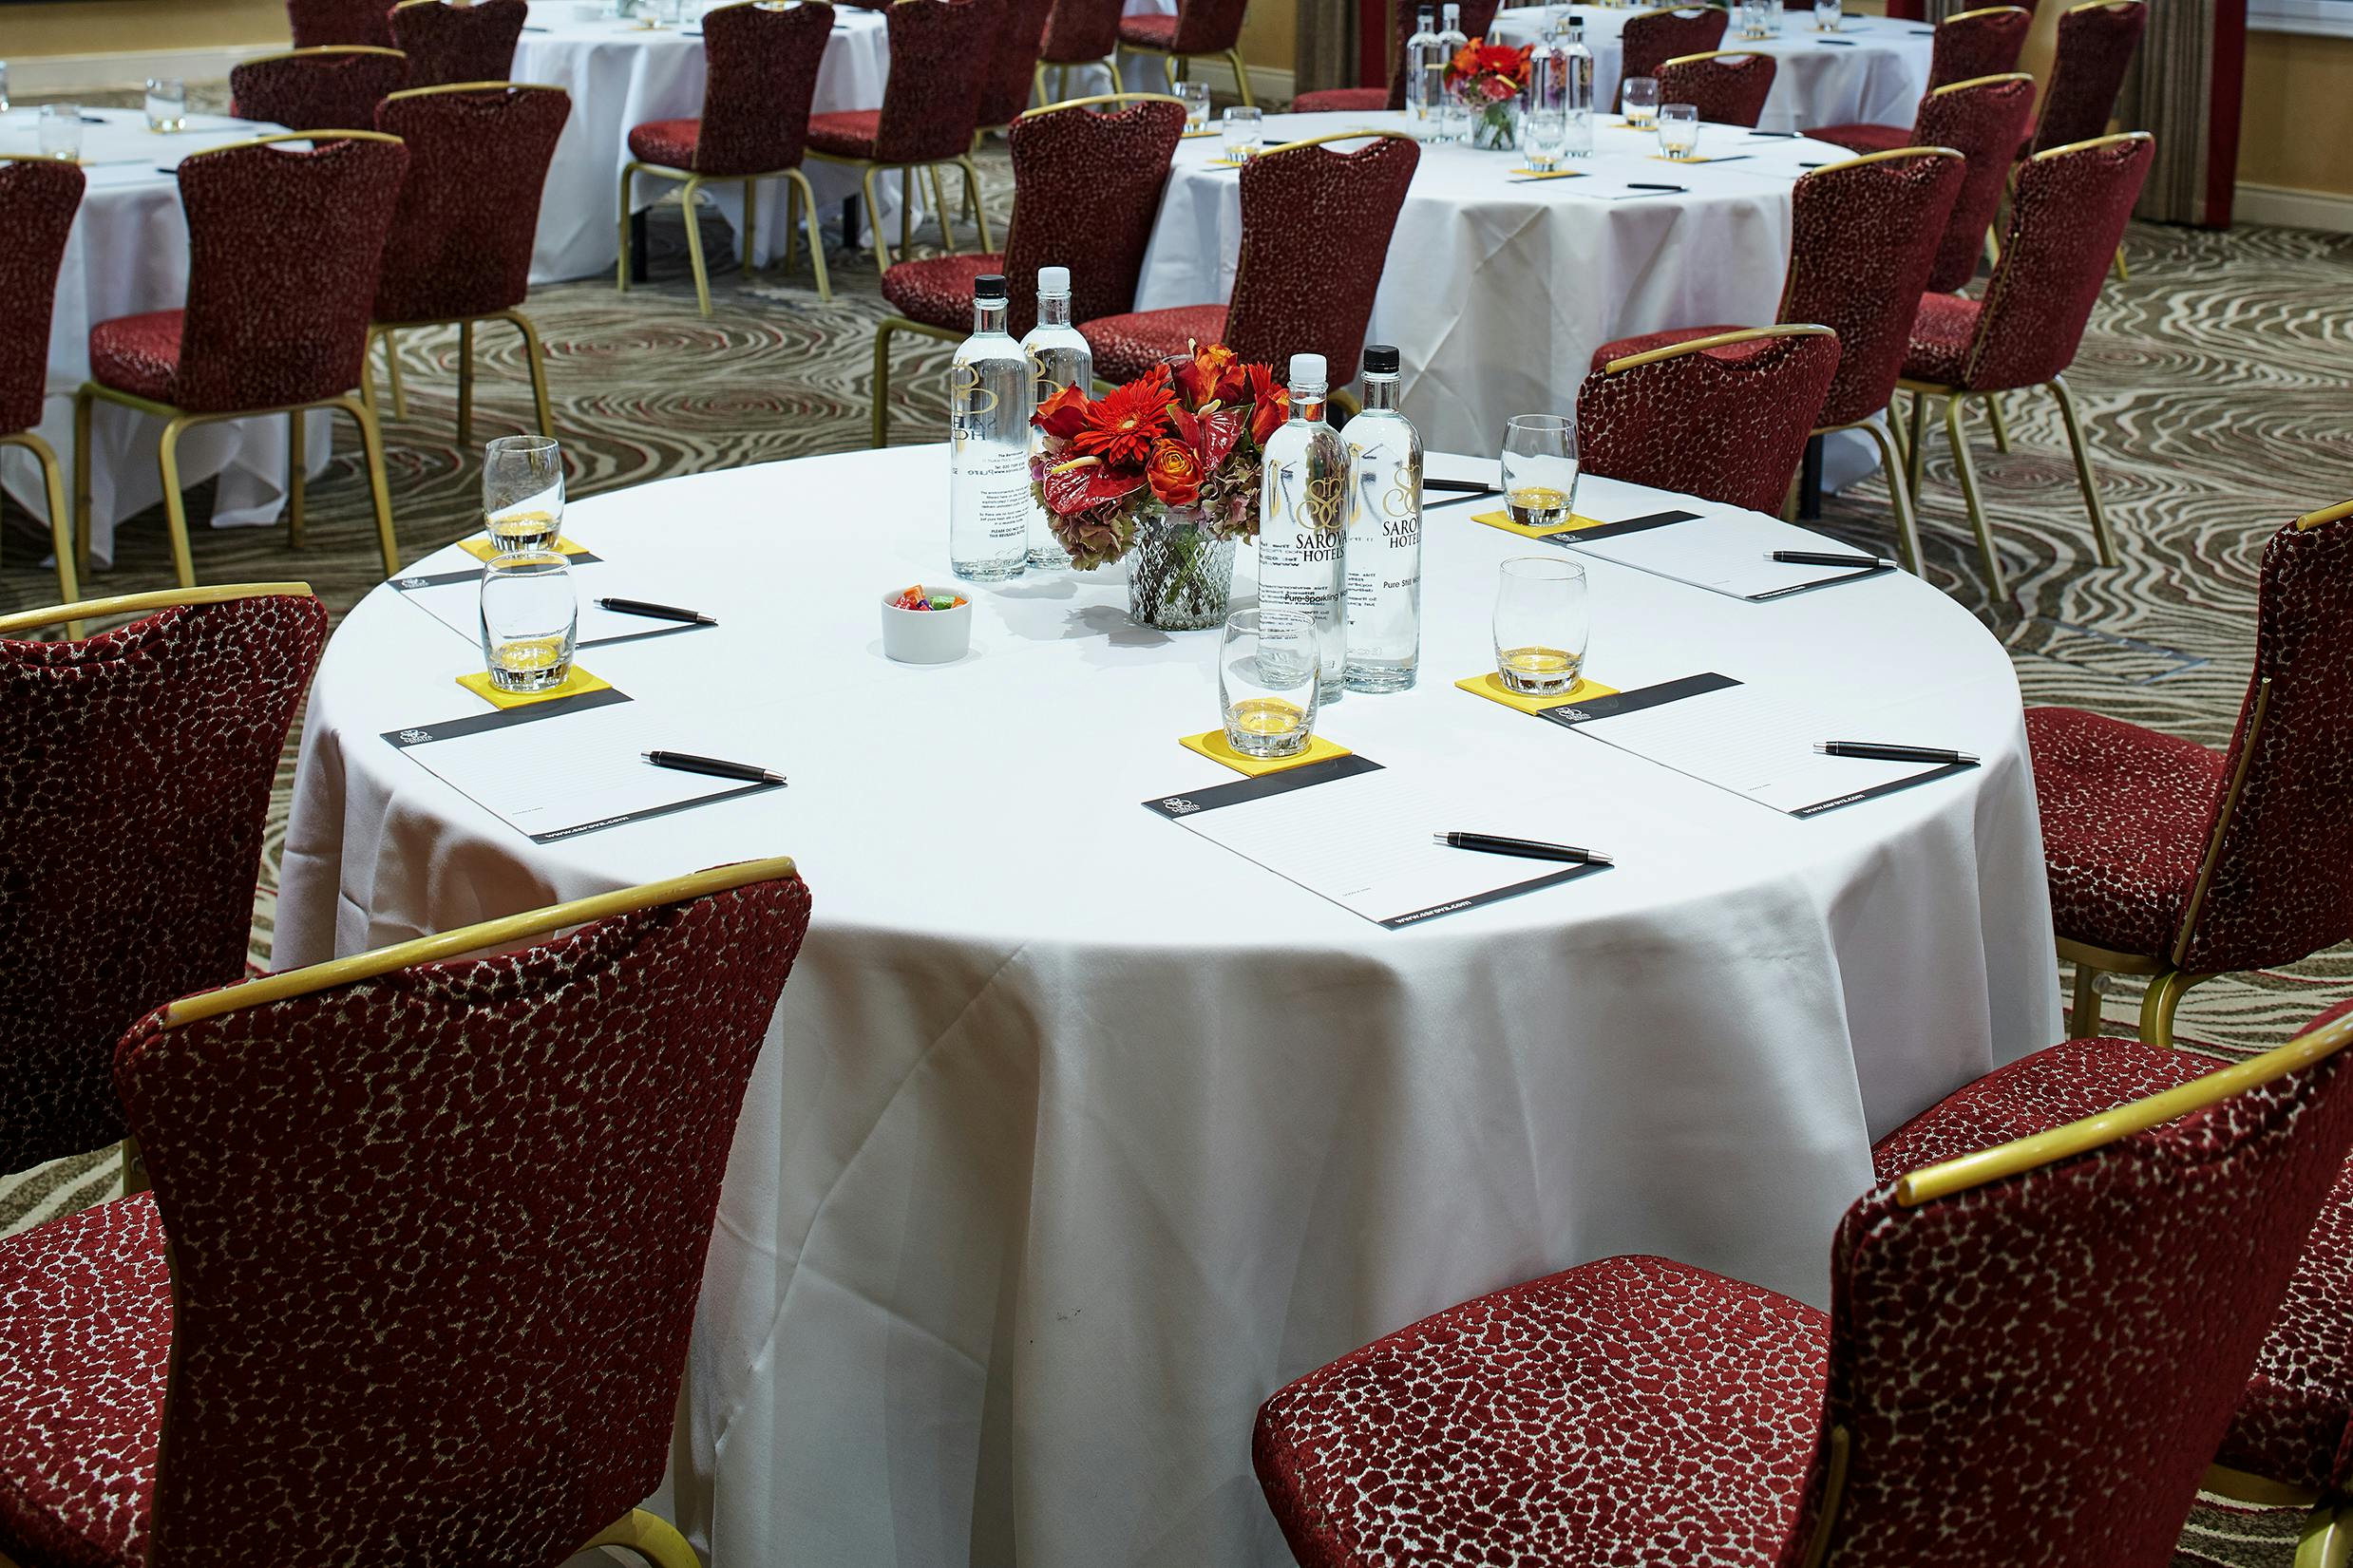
x,y
988,445
1384,614
1302,520
1059,357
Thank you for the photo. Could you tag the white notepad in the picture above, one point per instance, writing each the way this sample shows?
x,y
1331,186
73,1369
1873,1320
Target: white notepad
x,y
1725,551
454,598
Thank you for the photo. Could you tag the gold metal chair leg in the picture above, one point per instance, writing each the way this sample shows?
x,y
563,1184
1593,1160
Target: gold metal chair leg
x,y
650,1536
1919,442
2083,1018
175,505
392,375
2124,273
798,182
379,492
2000,420
751,222
1173,69
940,205
1899,496
367,371
972,188
2324,1541
695,245
82,507
1241,77
2159,1003
907,210
1957,432
535,358
297,475
883,333
621,267
873,217
2073,421
1038,82
60,520
466,383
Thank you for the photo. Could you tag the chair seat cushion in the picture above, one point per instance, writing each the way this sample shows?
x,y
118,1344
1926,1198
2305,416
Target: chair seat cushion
x,y
1642,343
1864,138
85,1333
937,290
139,354
668,143
1943,334
849,133
1127,346
1158,33
2126,813
1632,1410
1343,100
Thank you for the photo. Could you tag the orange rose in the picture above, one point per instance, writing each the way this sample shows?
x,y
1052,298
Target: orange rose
x,y
1174,469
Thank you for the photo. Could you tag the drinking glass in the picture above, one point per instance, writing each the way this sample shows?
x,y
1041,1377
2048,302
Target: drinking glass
x,y
1195,97
1269,669
1773,11
666,13
529,616
1541,624
522,492
3,86
1243,127
1545,134
1557,18
1827,14
167,103
1640,101
1749,16
1540,470
1679,130
61,131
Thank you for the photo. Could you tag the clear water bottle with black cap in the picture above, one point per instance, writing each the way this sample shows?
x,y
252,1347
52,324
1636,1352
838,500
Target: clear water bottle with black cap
x,y
989,405
1384,611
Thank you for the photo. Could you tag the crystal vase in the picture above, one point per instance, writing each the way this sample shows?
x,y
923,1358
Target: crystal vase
x,y
1495,127
1178,575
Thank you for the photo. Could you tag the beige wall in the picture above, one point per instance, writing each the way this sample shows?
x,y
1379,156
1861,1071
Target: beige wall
x,y
113,27
2297,122
1270,34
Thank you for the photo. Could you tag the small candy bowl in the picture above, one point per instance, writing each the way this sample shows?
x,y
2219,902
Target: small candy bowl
x,y
927,637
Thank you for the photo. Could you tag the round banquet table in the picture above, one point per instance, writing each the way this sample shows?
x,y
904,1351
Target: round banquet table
x,y
1872,70
1076,1134
1496,293
127,253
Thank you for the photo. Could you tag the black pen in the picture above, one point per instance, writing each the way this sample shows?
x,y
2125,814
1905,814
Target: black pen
x,y
686,762
1641,185
658,612
1736,157
1774,133
1824,557
1526,849
1465,487
1874,751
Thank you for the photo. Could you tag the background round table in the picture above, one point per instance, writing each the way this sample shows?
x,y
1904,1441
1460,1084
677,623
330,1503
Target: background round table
x,y
1498,289
1872,70
1076,1134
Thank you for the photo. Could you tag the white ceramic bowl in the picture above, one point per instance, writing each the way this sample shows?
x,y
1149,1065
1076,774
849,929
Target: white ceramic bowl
x,y
927,637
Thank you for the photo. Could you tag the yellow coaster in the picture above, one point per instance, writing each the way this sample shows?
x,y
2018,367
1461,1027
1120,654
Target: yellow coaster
x,y
1490,685
483,549
578,683
1663,157
1503,520
1214,746
1548,174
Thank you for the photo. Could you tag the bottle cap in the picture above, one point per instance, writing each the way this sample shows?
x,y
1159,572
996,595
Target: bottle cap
x,y
1380,360
1308,371
989,286
1054,280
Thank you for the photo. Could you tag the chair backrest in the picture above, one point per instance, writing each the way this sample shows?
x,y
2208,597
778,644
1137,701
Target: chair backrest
x,y
1865,233
939,53
38,199
440,1231
2076,1313
1087,191
2280,835
322,90
1725,418
1477,17
1728,86
763,75
1984,42
469,207
1984,119
2096,45
135,775
283,253
323,23
1013,65
2068,208
447,43
1081,32
1655,37
1207,27
1316,225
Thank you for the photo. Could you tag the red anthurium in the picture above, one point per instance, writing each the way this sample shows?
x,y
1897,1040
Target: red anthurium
x,y
1064,414
1075,487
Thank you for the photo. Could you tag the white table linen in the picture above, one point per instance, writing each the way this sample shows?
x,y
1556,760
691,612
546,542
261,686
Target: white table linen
x,y
1496,294
1076,1136
1872,70
128,253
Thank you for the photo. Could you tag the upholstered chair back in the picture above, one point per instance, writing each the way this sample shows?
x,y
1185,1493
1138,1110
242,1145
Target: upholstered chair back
x,y
469,207
327,89
1081,32
38,199
447,44
326,23
1655,37
1984,119
1086,194
1013,62
2068,209
1208,26
940,52
763,77
2096,45
1728,88
1984,42
1315,224
1726,418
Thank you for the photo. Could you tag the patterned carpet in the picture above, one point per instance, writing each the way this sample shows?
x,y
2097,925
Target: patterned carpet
x,y
2214,380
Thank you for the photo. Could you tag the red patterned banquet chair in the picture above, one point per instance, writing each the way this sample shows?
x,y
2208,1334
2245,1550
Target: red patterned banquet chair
x,y
1967,1400
275,327
1864,235
755,125
448,43
1200,29
1653,37
469,1349
322,90
1728,86
2067,213
39,198
2095,48
1316,225
1013,67
1983,121
1725,417
461,236
930,106
1079,34
318,24
135,775
1969,44
1477,17
1086,194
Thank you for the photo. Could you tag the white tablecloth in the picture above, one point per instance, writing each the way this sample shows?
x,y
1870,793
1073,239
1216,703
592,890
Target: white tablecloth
x,y
128,252
1075,1135
1496,294
1873,70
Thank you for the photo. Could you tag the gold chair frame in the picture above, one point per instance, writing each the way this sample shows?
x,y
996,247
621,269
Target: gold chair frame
x,y
1176,68
312,52
178,421
52,473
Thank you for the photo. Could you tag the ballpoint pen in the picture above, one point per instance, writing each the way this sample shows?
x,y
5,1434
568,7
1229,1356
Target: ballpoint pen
x,y
1526,849
657,611
1826,558
1874,751
685,762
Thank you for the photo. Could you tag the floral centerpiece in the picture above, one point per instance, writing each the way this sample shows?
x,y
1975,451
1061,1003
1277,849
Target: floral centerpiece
x,y
1487,80
1165,468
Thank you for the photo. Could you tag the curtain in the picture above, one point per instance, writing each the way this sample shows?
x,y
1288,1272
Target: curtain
x,y
1330,43
2184,86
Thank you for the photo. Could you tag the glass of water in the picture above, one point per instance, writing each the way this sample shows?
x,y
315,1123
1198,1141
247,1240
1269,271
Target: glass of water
x,y
1679,130
1243,127
522,492
1827,14
1195,97
1540,470
167,104
61,131
1269,671
1545,134
1541,624
529,616
1640,101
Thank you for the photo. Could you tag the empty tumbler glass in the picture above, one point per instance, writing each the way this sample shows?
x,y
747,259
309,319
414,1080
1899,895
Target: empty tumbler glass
x,y
522,492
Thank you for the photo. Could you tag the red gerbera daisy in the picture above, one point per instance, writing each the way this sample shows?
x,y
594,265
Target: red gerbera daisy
x,y
1122,426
